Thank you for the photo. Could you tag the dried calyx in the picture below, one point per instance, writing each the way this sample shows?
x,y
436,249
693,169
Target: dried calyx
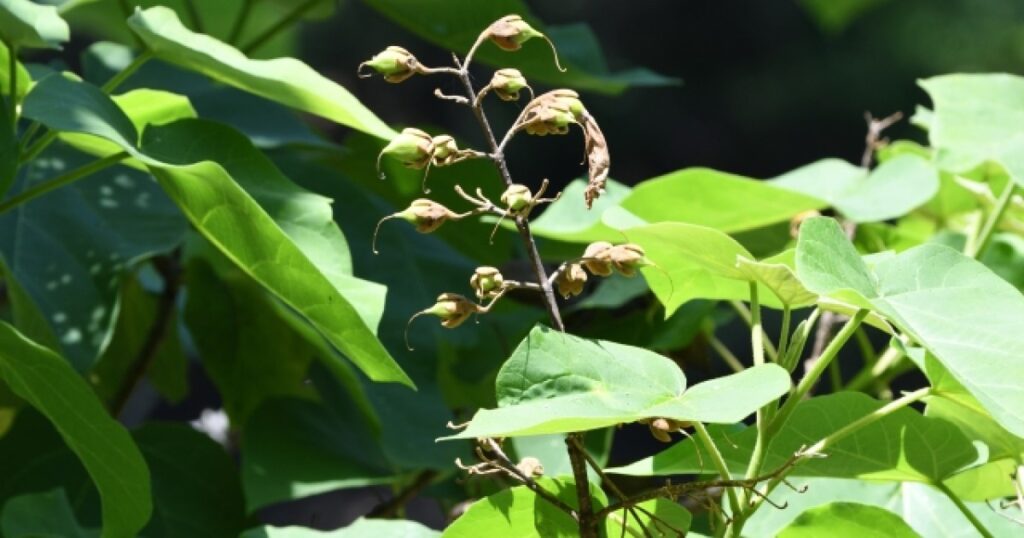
x,y
418,150
451,308
486,281
571,280
426,215
511,31
531,467
553,113
661,428
394,63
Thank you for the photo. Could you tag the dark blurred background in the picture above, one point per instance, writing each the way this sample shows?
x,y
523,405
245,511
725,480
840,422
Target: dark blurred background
x,y
766,86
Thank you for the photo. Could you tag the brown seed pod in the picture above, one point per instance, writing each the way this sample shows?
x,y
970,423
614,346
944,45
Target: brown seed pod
x,y
452,309
627,258
571,281
425,214
597,260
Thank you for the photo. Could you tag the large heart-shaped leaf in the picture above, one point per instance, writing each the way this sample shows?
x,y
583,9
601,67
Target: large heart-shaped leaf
x,y
106,450
895,188
520,512
25,24
70,248
977,118
557,383
283,258
901,446
285,80
971,320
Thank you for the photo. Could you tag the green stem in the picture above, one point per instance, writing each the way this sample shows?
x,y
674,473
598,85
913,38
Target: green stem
x,y
745,314
243,17
282,24
12,74
835,377
757,340
870,373
725,353
964,510
787,314
38,146
811,377
128,71
978,246
60,181
716,457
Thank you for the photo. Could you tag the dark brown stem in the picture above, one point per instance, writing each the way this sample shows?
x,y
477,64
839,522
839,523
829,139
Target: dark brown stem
x,y
550,303
505,464
391,507
577,458
170,270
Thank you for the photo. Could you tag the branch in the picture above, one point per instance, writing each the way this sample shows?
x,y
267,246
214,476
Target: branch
x,y
390,508
501,463
170,270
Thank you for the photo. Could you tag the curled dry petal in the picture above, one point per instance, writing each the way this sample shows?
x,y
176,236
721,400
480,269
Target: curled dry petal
x,y
598,159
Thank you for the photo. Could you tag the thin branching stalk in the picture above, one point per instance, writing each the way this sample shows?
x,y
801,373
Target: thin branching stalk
x,y
977,247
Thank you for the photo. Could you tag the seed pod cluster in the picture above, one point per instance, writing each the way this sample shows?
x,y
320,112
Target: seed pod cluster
x,y
601,258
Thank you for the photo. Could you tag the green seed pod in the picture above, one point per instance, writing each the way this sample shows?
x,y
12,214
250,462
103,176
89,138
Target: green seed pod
x,y
395,64
412,147
486,281
552,113
453,309
507,83
517,198
510,32
426,215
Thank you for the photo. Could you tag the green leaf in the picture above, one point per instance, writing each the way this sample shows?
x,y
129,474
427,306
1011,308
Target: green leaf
x,y
24,24
901,446
47,382
965,315
925,509
659,518
569,220
557,383
718,200
42,515
777,274
25,315
195,484
168,369
245,348
977,118
455,25
231,219
360,528
848,520
70,248
519,512
285,80
895,188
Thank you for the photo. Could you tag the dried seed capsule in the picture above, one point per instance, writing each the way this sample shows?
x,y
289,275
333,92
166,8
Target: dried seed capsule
x,y
531,467
394,63
661,428
627,258
426,215
412,147
486,280
511,31
597,260
552,113
518,198
444,150
570,282
507,83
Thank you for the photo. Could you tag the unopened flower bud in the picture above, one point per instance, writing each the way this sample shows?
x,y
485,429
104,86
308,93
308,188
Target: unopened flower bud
x,y
412,147
531,467
486,280
517,198
453,309
507,83
570,282
395,64
627,258
596,258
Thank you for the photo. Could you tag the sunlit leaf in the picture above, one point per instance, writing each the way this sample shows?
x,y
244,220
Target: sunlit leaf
x,y
25,24
848,520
